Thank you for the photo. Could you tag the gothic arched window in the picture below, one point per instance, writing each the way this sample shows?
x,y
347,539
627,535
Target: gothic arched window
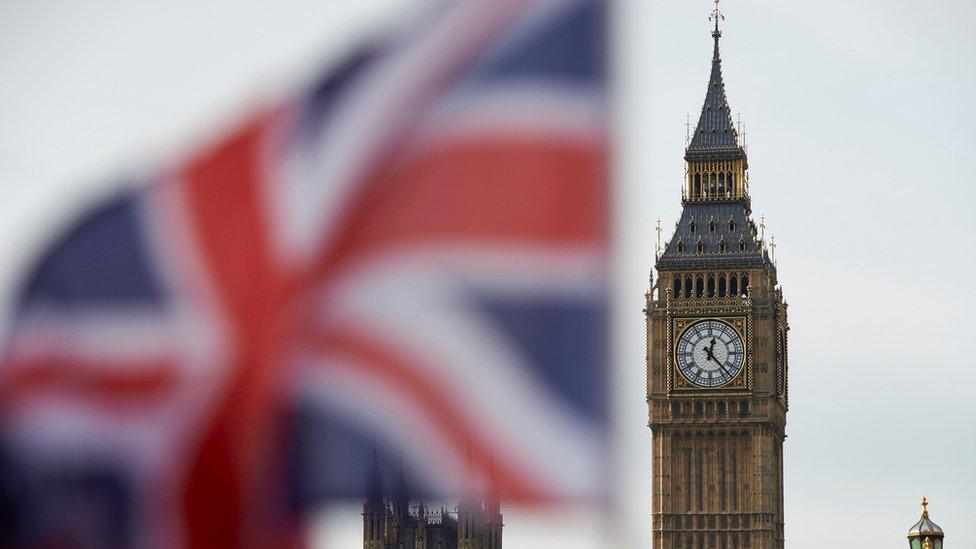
x,y
722,285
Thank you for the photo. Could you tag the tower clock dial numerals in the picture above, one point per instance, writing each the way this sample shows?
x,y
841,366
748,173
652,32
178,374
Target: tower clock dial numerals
x,y
710,353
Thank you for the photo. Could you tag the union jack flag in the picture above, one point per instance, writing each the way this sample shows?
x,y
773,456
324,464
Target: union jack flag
x,y
408,259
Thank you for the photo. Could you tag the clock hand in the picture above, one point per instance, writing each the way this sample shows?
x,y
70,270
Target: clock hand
x,y
710,351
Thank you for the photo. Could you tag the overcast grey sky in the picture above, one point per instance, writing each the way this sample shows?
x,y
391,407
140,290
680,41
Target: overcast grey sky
x,y
861,140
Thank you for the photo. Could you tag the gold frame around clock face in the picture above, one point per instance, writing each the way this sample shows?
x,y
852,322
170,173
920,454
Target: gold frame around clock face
x,y
739,380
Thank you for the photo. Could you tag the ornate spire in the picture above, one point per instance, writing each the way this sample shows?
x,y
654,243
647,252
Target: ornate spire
x,y
715,133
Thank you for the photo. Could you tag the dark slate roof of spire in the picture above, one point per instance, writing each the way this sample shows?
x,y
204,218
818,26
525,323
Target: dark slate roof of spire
x,y
715,132
741,229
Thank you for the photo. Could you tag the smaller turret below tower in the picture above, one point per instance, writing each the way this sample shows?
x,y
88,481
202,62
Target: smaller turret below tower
x,y
472,525
495,524
375,512
420,538
925,534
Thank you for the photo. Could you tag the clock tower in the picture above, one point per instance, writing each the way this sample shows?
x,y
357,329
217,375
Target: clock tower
x,y
716,354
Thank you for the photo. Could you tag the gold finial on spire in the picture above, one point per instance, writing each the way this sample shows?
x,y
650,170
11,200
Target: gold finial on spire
x,y
925,507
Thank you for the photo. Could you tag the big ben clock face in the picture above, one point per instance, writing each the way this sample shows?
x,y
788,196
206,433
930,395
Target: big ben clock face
x,y
710,353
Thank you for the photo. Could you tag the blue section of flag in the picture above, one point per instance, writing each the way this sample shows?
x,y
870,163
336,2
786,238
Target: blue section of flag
x,y
565,343
102,261
86,505
568,49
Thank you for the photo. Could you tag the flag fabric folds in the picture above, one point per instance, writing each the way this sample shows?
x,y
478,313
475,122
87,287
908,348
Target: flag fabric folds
x,y
408,261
